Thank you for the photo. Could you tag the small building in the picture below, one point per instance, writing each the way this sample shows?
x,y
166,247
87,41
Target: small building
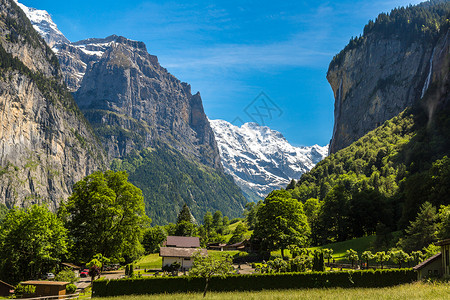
x,y
436,266
445,251
180,249
241,246
431,267
183,256
76,269
47,288
6,289
215,246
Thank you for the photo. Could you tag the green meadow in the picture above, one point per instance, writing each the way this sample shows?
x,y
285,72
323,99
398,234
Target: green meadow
x,y
416,290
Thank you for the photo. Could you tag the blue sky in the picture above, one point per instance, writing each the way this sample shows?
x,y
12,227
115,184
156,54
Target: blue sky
x,y
231,51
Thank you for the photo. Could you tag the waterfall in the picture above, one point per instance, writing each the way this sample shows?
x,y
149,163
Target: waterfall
x,y
428,80
337,111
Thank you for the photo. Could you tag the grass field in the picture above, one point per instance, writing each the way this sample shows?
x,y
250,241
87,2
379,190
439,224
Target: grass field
x,y
407,291
359,245
151,261
340,248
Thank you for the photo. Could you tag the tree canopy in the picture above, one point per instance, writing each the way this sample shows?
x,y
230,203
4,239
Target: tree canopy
x,y
281,222
32,242
105,214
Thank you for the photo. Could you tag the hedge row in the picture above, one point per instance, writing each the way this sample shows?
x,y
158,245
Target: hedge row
x,y
253,282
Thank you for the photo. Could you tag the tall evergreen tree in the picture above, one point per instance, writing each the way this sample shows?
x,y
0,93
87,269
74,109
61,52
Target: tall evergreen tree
x,y
422,231
185,215
291,185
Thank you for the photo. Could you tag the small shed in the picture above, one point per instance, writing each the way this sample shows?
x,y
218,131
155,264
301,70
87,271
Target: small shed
x,y
445,250
5,289
47,288
431,267
76,269
216,246
241,246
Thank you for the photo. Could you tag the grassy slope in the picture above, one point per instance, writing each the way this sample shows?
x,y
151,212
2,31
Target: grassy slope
x,y
340,248
407,291
359,245
151,261
233,226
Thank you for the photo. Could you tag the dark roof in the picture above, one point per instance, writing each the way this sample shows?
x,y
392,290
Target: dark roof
x,y
239,244
71,265
427,261
179,252
7,284
443,242
182,241
44,282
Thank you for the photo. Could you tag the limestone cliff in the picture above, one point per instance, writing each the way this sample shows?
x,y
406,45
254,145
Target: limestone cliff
x,y
386,70
46,145
133,103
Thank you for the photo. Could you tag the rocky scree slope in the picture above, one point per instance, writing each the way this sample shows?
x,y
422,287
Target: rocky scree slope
x,y
386,70
46,145
260,159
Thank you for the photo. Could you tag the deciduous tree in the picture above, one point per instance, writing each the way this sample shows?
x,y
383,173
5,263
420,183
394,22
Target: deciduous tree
x,y
105,214
32,241
207,266
281,222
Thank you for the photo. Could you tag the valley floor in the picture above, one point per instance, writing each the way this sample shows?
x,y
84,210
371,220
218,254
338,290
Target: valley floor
x,y
416,290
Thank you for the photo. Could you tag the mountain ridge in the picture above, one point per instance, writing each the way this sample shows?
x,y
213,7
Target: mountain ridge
x,y
261,159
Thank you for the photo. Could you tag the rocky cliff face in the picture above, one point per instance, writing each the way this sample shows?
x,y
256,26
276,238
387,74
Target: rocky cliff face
x,y
131,101
134,103
377,76
45,143
261,159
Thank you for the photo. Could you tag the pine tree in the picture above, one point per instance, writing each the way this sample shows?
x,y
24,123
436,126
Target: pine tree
x,y
184,215
291,185
422,231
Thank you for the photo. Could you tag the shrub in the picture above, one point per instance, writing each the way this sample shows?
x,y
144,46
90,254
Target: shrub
x,y
24,290
71,288
66,275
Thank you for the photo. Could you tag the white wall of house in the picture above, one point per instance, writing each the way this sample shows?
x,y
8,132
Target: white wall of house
x,y
186,263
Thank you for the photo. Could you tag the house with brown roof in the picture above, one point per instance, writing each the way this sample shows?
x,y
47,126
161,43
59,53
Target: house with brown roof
x,y
438,265
180,249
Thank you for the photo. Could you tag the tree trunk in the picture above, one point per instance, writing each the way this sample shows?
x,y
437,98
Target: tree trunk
x,y
206,287
282,252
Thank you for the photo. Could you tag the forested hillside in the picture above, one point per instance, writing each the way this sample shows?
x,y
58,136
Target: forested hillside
x,y
379,182
384,177
168,180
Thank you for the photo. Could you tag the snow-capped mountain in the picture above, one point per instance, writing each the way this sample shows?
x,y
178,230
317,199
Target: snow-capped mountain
x,y
44,25
261,159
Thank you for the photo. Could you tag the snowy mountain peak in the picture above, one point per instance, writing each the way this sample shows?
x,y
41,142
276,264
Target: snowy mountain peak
x,y
44,25
261,159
